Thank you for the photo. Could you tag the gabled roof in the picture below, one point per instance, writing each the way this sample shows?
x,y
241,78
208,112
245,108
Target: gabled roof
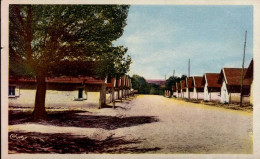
x,y
197,81
211,79
123,81
178,86
111,83
250,71
118,82
232,76
183,84
173,88
189,81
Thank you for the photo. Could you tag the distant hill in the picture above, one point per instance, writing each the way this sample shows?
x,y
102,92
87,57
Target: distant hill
x,y
157,82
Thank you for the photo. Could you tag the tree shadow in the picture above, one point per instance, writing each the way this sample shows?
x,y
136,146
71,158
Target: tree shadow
x,y
110,106
77,118
39,143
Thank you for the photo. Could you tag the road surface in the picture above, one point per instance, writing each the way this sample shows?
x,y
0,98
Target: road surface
x,y
155,124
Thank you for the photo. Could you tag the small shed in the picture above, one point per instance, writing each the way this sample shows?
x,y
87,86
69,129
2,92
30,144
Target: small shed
x,y
211,86
230,80
123,85
174,90
111,84
198,88
118,89
250,76
189,87
178,90
128,86
183,89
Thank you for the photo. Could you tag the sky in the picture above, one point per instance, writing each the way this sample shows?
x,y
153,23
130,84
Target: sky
x,y
161,38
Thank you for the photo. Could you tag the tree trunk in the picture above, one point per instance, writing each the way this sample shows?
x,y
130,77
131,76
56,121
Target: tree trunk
x,y
39,111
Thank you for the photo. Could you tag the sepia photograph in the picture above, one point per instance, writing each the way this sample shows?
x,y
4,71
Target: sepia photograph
x,y
129,79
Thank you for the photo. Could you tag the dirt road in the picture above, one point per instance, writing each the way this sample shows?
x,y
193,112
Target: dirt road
x,y
153,124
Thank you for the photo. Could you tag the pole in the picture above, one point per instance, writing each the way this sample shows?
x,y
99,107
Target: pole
x,y
242,73
189,68
188,79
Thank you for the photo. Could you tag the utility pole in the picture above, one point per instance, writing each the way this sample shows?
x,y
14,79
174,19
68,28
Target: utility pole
x,y
242,74
188,78
189,68
173,73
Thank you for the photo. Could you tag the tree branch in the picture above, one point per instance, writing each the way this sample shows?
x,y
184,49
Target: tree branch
x,y
15,54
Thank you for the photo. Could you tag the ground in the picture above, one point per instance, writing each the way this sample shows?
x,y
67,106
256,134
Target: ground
x,y
142,124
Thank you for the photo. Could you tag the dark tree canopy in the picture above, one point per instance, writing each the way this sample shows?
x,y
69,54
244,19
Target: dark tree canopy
x,y
72,40
172,80
42,37
139,83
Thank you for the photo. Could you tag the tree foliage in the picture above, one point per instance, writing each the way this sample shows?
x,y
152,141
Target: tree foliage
x,y
42,37
139,83
172,80
54,40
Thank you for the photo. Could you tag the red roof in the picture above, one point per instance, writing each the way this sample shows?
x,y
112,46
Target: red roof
x,y
250,72
178,86
111,83
197,81
189,82
63,79
123,80
173,88
127,82
212,80
183,84
118,82
233,76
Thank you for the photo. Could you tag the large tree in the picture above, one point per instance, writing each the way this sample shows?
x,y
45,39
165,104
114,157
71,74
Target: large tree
x,y
44,39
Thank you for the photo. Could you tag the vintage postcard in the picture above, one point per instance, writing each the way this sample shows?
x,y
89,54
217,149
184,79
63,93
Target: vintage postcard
x,y
130,79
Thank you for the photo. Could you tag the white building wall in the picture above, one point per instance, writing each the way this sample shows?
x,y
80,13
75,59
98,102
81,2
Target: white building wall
x,y
177,94
200,95
195,95
54,98
120,93
246,100
224,98
187,93
214,96
173,94
235,97
206,93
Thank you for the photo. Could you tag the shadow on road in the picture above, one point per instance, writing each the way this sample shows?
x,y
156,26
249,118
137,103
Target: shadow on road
x,y
74,118
115,107
31,142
